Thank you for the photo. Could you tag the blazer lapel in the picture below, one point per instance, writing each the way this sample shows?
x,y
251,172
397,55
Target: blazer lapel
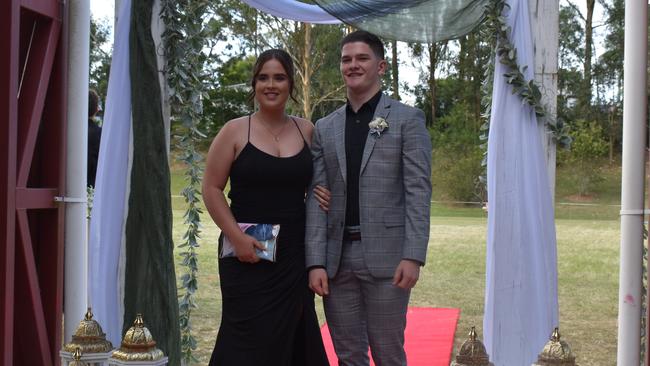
x,y
339,141
383,110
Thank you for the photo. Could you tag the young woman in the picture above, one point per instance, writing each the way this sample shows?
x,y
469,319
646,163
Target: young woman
x,y
268,315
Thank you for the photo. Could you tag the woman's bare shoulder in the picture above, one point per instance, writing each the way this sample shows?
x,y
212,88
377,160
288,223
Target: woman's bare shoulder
x,y
235,125
232,134
305,125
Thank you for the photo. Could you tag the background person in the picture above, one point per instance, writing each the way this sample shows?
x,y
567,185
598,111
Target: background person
x,y
94,137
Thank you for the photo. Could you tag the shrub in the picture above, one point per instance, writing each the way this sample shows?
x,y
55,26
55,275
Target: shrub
x,y
588,150
455,175
457,157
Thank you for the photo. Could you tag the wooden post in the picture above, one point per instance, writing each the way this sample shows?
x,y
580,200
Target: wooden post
x,y
545,22
9,66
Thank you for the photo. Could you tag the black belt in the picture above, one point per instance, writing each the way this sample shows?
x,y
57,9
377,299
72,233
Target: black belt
x,y
351,235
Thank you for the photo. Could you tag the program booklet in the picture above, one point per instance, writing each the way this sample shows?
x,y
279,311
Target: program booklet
x,y
266,234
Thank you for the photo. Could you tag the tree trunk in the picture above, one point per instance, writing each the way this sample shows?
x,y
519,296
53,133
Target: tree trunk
x,y
462,56
433,62
476,76
612,134
306,80
395,70
586,98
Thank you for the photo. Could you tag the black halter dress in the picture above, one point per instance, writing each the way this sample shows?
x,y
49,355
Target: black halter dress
x,y
268,315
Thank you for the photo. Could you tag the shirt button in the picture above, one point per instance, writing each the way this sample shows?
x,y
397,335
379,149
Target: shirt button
x,y
357,121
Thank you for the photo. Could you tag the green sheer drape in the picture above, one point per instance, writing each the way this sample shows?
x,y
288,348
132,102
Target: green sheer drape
x,y
150,285
415,20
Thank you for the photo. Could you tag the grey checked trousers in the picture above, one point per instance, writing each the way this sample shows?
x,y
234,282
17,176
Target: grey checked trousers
x,y
363,311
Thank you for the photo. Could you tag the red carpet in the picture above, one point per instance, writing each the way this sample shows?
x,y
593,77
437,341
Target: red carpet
x,y
429,337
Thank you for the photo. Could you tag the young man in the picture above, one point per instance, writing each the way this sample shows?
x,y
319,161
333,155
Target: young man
x,y
364,254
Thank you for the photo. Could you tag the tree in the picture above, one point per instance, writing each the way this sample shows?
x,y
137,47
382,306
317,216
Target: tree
x,y
609,73
316,61
584,98
474,56
571,54
435,54
394,70
228,97
100,59
589,40
456,156
237,24
585,158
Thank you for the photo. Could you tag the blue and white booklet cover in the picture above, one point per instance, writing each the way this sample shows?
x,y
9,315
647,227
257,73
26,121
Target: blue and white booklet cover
x,y
266,234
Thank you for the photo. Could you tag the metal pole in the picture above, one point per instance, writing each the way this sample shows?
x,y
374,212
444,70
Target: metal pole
x,y
634,137
76,257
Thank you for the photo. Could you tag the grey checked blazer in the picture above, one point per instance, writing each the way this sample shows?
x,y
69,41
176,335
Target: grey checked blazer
x,y
394,191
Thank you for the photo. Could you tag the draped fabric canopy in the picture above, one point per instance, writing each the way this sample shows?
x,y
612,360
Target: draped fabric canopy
x,y
410,20
294,10
404,20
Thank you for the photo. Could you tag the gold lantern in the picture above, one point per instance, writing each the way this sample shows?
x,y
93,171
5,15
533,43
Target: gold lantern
x,y
556,352
472,352
91,342
89,337
138,347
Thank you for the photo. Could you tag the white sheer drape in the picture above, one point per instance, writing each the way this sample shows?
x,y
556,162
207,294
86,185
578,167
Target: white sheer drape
x,y
109,204
521,306
294,10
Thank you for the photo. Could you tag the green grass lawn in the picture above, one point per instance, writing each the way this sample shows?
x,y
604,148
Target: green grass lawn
x,y
588,249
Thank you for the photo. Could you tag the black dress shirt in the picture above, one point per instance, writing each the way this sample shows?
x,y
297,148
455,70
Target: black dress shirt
x,y
94,140
356,132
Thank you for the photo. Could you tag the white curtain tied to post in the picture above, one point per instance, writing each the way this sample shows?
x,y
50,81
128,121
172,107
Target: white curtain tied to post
x,y
521,304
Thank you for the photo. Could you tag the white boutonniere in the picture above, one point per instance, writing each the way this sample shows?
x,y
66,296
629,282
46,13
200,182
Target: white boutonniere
x,y
377,126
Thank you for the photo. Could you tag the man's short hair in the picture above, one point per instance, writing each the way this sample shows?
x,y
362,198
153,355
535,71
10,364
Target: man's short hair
x,y
375,44
93,102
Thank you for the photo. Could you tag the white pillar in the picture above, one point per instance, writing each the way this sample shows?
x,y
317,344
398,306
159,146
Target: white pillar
x,y
76,259
545,26
634,137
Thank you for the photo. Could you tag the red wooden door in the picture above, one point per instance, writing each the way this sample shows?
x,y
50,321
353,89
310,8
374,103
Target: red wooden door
x,y
32,141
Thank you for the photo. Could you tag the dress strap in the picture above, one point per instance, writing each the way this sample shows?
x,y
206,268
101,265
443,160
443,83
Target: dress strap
x,y
299,130
249,127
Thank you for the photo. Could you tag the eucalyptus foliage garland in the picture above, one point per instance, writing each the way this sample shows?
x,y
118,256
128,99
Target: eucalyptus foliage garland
x,y
528,91
183,39
486,103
